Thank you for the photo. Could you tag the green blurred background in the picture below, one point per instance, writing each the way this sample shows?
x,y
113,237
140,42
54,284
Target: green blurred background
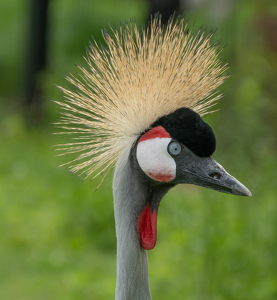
x,y
57,236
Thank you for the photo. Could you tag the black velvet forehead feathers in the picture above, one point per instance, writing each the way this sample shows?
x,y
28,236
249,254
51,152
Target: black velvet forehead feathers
x,y
187,127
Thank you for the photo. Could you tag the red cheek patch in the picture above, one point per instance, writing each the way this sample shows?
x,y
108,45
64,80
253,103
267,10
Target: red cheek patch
x,y
157,132
162,176
153,157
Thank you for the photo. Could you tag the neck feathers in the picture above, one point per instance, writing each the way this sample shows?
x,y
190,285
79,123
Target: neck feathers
x,y
132,263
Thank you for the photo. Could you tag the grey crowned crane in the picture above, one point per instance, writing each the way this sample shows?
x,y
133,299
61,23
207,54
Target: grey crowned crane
x,y
139,105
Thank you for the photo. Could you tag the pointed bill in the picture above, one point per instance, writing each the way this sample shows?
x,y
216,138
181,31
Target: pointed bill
x,y
206,172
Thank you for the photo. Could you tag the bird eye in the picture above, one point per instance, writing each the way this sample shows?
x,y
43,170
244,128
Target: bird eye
x,y
174,148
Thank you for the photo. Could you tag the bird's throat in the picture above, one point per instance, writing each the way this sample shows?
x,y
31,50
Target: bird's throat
x,y
147,227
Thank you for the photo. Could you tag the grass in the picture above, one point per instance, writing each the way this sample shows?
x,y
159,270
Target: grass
x,y
57,234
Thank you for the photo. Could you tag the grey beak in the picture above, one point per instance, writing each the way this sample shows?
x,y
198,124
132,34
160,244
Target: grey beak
x,y
206,172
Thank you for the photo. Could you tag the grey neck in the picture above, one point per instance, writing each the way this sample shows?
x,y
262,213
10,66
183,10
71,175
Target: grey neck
x,y
132,265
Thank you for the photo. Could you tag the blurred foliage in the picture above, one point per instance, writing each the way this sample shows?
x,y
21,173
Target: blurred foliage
x,y
57,235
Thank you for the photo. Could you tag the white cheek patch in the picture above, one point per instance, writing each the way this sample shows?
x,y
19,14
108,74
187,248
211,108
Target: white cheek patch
x,y
154,159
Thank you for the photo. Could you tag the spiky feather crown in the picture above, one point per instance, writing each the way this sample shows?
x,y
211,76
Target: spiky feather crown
x,y
135,80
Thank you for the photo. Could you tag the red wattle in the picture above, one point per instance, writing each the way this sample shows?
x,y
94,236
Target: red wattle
x,y
147,228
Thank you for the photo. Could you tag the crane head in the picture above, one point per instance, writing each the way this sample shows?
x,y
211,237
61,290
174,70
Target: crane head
x,y
134,83
175,150
144,94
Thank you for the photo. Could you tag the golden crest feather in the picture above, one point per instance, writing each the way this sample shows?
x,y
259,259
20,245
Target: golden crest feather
x,y
138,78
